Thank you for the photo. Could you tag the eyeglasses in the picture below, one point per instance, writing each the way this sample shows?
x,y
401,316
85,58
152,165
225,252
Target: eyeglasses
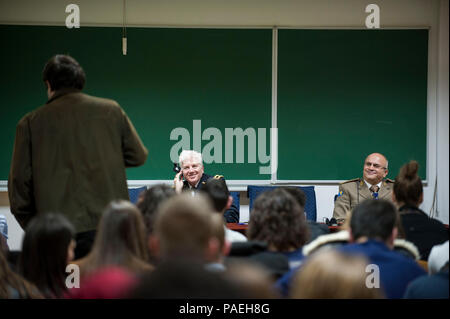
x,y
376,166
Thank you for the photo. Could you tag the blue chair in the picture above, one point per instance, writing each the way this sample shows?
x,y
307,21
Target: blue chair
x,y
133,193
236,199
310,207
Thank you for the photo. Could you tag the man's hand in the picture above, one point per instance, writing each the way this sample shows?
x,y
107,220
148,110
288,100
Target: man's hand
x,y
178,183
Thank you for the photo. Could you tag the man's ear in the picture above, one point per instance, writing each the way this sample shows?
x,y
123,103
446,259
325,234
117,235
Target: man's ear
x,y
50,91
229,202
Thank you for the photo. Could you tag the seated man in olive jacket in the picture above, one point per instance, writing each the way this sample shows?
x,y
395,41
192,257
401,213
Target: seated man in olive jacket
x,y
70,154
374,184
192,171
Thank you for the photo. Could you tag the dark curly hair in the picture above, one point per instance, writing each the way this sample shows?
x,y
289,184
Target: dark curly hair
x,y
150,200
278,219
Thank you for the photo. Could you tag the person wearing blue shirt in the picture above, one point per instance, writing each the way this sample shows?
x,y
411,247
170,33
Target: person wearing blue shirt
x,y
372,233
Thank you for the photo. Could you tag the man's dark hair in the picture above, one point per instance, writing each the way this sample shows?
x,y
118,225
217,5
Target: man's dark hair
x,y
150,201
277,218
298,194
64,72
374,219
217,191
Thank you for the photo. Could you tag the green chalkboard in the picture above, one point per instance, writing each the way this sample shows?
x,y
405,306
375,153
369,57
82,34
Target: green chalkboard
x,y
168,79
343,94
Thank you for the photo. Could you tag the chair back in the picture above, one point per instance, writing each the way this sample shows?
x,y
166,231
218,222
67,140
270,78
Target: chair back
x,y
133,193
236,199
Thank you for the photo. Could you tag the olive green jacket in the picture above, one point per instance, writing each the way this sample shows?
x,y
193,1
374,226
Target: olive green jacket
x,y
354,191
70,156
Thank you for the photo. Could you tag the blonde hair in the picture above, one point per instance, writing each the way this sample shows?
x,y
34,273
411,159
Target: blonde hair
x,y
333,275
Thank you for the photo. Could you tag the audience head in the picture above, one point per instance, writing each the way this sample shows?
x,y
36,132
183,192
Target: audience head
x,y
182,279
63,72
374,219
13,285
375,168
217,191
183,229
120,240
218,232
408,189
191,166
150,201
252,279
298,195
333,275
279,220
47,248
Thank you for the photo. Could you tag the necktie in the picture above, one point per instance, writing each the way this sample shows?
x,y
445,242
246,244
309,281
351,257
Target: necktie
x,y
374,189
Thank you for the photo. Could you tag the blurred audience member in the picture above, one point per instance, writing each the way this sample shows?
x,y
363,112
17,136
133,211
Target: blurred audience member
x,y
184,230
148,203
182,279
434,286
252,279
279,220
120,241
47,247
419,228
12,285
438,258
217,191
315,229
107,283
216,262
333,275
372,234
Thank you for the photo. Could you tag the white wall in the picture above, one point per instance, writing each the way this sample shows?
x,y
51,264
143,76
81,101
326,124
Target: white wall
x,y
268,13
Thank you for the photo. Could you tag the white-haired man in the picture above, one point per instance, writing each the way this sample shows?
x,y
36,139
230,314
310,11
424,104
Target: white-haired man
x,y
193,177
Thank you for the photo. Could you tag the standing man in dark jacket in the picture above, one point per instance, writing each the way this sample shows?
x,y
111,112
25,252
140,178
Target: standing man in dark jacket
x,y
192,177
70,154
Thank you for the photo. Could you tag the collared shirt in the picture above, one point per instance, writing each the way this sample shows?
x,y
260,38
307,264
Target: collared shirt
x,y
369,185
